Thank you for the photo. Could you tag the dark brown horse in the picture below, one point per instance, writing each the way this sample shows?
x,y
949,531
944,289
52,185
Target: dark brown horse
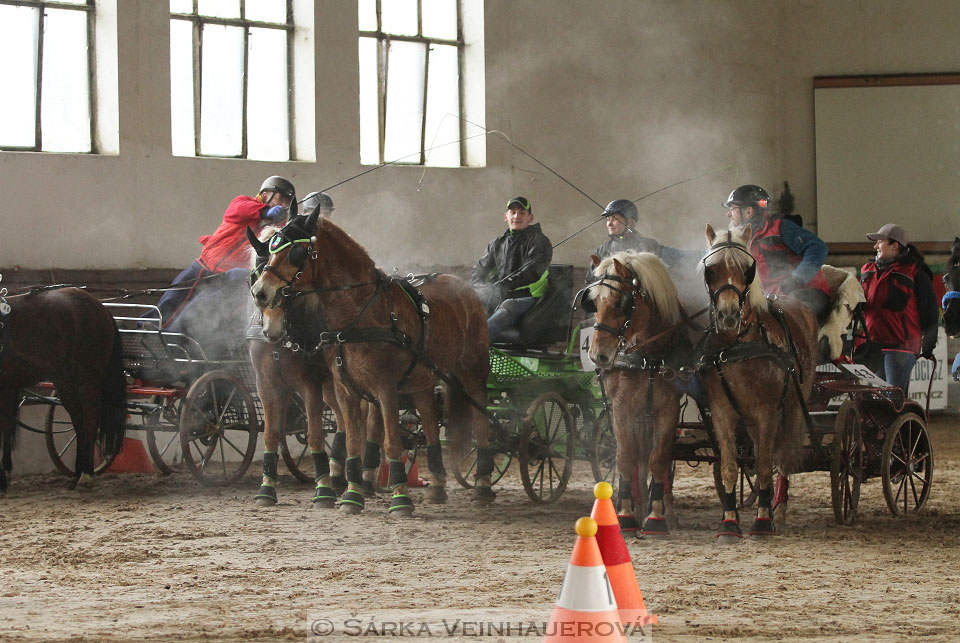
x,y
383,340
67,337
640,342
758,361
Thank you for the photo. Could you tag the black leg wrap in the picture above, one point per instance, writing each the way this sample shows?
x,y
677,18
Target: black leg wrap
x,y
729,529
485,460
270,465
730,501
656,491
765,497
321,464
371,455
625,489
398,474
355,477
338,449
354,471
435,460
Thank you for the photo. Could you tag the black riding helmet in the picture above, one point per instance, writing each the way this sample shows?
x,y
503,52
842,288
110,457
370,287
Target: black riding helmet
x,y
284,187
625,207
317,199
749,196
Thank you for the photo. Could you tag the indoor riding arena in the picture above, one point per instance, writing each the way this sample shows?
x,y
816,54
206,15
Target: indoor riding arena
x,y
283,356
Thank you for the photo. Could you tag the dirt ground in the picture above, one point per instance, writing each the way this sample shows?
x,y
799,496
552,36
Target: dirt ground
x,y
147,557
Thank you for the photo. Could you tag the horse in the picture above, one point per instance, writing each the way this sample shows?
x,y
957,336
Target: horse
x,y
757,366
65,336
641,343
951,300
385,339
846,294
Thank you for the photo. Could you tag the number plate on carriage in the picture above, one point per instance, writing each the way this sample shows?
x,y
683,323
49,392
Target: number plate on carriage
x,y
862,372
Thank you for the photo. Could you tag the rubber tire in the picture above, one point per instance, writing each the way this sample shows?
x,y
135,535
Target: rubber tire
x,y
846,464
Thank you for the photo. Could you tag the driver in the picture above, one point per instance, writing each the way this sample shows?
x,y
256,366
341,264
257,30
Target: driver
x,y
315,199
788,256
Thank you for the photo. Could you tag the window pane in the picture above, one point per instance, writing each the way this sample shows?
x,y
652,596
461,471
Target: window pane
x,y
440,19
221,94
268,132
405,75
443,108
399,17
367,15
65,99
181,6
266,10
181,87
219,8
18,109
73,1
369,103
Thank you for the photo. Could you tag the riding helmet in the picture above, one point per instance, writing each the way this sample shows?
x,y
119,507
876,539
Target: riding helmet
x,y
279,184
747,196
625,207
314,199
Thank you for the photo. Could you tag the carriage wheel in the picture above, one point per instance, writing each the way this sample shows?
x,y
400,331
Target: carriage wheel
x,y
603,455
293,443
846,465
504,427
218,428
746,485
61,441
163,435
907,465
546,448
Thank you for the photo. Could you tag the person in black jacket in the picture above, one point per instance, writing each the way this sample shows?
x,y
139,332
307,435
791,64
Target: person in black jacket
x,y
512,273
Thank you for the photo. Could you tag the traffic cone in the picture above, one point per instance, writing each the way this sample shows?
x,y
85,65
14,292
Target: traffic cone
x,y
616,558
132,458
413,477
585,608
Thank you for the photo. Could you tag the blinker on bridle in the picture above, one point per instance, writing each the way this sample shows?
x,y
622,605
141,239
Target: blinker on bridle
x,y
749,274
626,305
301,247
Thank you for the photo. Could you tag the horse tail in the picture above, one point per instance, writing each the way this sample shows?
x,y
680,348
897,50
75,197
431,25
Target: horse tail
x,y
113,399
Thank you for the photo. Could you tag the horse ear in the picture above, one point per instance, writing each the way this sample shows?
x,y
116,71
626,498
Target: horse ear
x,y
956,242
259,246
596,260
311,224
711,235
747,234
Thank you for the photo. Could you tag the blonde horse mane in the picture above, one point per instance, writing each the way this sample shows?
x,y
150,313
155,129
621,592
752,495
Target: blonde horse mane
x,y
654,278
735,259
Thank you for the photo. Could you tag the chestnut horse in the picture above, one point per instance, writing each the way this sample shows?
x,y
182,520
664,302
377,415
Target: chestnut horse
x,y
384,339
67,337
757,366
641,343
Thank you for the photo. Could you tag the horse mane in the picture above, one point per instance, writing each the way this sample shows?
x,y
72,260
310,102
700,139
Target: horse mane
x,y
738,260
264,235
654,278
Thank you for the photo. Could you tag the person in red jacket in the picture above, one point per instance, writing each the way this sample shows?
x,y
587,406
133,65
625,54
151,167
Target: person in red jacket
x,y
901,310
227,248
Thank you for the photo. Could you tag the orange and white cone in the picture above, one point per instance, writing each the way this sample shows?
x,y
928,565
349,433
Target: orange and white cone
x,y
585,609
616,558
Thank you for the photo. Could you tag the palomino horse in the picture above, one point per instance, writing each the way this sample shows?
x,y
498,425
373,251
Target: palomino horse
x,y
641,343
384,339
66,336
758,361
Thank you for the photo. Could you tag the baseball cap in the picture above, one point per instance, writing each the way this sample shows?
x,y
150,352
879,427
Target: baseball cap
x,y
522,201
890,231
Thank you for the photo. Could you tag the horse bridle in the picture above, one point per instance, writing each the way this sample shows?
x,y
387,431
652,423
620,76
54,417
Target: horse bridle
x,y
628,300
301,245
748,275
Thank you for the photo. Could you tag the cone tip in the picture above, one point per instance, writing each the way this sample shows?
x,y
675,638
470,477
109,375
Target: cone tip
x,y
586,527
602,490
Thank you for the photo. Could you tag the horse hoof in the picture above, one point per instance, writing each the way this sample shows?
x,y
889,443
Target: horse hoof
x,y
729,532
368,490
351,502
339,484
266,496
401,512
655,528
401,505
324,498
762,529
483,494
84,482
436,495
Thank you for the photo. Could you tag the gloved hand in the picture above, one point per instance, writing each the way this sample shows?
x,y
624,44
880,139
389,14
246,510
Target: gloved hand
x,y
276,213
927,351
790,284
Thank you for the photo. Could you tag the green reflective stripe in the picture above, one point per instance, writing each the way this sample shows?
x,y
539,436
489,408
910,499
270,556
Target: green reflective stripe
x,y
537,288
274,251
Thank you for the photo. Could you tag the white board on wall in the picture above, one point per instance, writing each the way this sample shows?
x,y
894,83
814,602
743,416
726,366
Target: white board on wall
x,y
888,152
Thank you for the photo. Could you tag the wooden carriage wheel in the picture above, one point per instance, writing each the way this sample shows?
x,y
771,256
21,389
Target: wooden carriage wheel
x,y
846,464
293,439
907,465
546,448
61,441
163,435
504,428
218,428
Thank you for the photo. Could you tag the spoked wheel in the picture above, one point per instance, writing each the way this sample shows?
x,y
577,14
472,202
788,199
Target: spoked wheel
x,y
907,466
504,425
163,435
746,485
61,442
293,446
546,448
218,428
846,465
603,455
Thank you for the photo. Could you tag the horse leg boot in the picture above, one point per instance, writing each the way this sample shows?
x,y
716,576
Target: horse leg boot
x,y
371,462
338,456
426,404
655,525
483,491
351,501
324,497
781,494
267,494
763,525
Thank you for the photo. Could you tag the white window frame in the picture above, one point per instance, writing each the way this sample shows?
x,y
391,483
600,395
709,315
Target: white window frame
x,y
198,22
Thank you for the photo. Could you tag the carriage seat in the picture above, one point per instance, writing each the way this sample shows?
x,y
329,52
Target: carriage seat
x,y
547,322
